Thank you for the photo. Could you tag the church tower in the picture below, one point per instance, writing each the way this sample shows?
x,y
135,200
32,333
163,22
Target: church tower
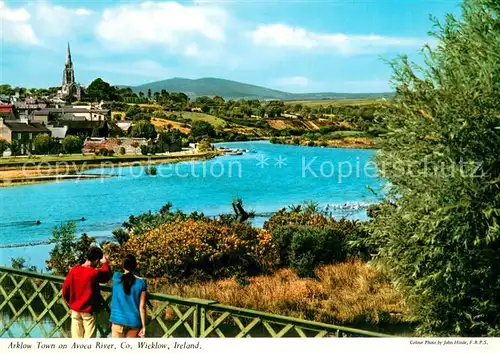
x,y
68,73
69,86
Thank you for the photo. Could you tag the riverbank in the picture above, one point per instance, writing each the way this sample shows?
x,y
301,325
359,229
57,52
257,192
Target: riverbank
x,y
346,143
43,169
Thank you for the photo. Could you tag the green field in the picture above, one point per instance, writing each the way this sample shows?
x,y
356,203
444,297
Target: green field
x,y
195,116
347,134
338,102
79,158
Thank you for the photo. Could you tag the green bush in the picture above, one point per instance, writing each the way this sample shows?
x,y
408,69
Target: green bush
x,y
122,151
305,237
4,145
102,152
41,143
121,236
72,144
441,242
303,248
192,250
15,148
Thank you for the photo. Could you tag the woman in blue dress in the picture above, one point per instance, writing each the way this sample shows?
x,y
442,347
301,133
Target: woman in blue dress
x,y
128,302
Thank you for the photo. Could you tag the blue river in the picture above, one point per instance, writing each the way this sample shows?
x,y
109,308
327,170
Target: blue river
x,y
267,178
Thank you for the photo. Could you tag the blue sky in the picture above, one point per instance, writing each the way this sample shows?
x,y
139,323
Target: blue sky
x,y
295,46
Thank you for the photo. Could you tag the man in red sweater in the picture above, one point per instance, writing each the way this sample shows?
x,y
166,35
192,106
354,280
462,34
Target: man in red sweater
x,y
81,291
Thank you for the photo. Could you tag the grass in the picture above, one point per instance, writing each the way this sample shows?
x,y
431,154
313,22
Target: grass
x,y
161,123
347,134
196,116
149,105
347,293
87,158
338,102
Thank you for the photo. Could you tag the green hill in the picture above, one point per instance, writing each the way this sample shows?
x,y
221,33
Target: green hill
x,y
236,90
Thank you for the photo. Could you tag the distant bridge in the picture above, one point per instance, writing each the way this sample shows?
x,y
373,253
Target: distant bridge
x,y
31,305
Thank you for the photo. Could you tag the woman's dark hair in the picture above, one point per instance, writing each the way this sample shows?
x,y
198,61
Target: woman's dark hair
x,y
128,279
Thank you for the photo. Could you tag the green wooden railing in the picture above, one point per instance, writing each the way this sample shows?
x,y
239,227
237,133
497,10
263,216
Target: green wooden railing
x,y
31,305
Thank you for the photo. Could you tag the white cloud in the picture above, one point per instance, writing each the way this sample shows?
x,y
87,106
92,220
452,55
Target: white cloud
x,y
83,12
279,35
300,81
58,21
162,23
192,50
15,26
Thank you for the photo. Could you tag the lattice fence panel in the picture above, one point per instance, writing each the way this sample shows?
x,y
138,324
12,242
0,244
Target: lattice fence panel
x,y
31,305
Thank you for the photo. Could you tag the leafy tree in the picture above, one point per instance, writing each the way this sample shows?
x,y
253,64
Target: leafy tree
x,y
6,90
143,129
4,145
204,102
20,263
168,139
125,95
201,129
121,236
101,90
132,112
72,144
440,236
164,95
149,94
42,143
68,250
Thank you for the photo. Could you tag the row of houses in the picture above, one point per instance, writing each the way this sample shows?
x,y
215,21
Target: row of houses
x,y
22,122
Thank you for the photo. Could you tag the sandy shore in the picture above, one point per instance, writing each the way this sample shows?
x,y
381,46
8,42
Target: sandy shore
x,y
50,170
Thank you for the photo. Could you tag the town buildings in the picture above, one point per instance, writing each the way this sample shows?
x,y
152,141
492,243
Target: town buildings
x,y
20,134
21,119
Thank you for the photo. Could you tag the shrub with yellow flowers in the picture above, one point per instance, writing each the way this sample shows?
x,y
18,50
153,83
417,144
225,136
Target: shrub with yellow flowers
x,y
189,249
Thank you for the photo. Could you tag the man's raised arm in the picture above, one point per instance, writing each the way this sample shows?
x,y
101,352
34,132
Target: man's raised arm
x,y
104,273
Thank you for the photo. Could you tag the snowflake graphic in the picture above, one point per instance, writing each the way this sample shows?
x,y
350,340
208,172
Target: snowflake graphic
x,y
280,162
262,161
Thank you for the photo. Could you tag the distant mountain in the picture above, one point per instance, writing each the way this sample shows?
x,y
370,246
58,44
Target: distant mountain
x,y
236,90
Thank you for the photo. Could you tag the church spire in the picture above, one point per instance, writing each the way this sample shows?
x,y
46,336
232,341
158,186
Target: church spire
x,y
68,58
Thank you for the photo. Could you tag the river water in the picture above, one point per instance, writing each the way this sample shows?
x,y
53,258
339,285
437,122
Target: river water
x,y
267,178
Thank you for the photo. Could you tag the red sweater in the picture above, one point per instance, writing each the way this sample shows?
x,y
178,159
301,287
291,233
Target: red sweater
x,y
81,286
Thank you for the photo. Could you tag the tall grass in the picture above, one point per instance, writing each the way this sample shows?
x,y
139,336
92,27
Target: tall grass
x,y
345,293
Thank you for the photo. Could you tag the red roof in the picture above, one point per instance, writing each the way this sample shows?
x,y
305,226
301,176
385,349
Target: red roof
x,y
5,108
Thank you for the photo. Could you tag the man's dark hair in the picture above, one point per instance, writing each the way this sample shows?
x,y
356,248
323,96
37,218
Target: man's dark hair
x,y
94,254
